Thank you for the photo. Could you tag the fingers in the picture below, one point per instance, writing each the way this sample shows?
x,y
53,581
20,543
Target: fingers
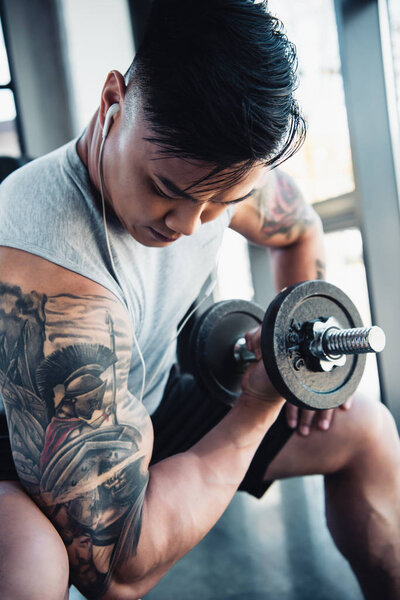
x,y
255,381
257,385
324,419
303,420
292,415
297,418
347,405
253,340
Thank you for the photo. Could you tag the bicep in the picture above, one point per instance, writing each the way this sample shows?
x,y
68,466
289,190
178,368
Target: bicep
x,y
81,442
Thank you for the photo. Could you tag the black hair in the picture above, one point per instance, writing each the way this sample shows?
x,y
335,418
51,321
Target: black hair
x,y
216,80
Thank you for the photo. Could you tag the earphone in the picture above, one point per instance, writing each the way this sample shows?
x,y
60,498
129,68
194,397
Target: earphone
x,y
114,108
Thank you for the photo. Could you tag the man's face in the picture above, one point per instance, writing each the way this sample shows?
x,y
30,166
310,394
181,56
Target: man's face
x,y
146,190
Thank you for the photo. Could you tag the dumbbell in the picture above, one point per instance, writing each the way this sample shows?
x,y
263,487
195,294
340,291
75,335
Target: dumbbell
x,y
313,345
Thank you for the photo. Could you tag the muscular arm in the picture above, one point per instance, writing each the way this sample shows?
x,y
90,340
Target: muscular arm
x,y
279,218
82,442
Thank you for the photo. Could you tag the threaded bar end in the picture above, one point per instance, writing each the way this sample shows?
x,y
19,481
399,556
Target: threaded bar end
x,y
360,340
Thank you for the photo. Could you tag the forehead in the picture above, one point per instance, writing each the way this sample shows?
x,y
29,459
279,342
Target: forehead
x,y
188,174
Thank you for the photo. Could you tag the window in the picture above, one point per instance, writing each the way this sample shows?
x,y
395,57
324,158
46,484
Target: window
x,y
98,39
394,17
9,143
323,167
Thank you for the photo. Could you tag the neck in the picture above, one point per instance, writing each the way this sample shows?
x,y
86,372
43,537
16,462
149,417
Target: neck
x,y
88,148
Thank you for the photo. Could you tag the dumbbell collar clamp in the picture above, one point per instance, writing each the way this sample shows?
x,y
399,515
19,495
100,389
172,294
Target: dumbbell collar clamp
x,y
319,329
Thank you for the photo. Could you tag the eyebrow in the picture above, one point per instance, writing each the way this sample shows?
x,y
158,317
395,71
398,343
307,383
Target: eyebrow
x,y
174,189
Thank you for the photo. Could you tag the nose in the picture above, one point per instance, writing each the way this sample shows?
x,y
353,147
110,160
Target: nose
x,y
186,218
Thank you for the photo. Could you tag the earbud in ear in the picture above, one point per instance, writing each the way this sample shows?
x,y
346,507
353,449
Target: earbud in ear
x,y
114,108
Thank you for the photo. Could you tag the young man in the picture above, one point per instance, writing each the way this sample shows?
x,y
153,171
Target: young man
x,y
90,302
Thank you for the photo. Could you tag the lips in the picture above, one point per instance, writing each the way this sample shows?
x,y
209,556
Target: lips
x,y
161,237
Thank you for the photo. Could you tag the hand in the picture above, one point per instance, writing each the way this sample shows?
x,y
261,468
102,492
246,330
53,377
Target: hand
x,y
303,420
255,382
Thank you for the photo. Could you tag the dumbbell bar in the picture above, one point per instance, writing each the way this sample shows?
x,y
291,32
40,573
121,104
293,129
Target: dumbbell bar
x,y
327,342
312,341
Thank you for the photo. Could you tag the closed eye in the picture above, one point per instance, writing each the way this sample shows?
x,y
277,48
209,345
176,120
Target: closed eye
x,y
160,192
229,203
163,195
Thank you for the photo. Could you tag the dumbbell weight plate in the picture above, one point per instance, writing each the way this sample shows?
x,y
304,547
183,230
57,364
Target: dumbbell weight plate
x,y
293,375
212,342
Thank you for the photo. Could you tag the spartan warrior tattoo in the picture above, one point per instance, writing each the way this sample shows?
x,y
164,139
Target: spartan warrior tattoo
x,y
81,465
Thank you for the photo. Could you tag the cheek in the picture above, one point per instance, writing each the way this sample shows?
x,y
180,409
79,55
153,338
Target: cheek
x,y
212,212
126,186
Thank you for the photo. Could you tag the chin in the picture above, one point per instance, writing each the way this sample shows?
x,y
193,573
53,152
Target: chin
x,y
146,239
150,243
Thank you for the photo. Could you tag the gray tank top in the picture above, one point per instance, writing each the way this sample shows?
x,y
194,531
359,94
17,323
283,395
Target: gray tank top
x,y
48,208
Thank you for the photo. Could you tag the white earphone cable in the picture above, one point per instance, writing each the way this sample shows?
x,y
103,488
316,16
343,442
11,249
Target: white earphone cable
x,y
144,387
129,307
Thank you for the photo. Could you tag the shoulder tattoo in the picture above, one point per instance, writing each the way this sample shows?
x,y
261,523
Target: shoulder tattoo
x,y
64,363
283,208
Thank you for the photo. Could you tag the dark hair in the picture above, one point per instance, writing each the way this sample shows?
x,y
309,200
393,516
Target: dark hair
x,y
216,80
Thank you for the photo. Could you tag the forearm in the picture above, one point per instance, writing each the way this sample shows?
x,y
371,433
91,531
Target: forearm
x,y
300,261
188,493
122,525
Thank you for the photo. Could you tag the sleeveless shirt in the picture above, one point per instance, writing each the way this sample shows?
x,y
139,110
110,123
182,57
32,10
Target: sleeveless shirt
x,y
49,208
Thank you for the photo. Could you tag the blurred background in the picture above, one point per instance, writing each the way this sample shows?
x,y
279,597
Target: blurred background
x,y
54,57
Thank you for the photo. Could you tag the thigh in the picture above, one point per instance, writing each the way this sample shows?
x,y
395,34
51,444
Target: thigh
x,y
33,559
367,426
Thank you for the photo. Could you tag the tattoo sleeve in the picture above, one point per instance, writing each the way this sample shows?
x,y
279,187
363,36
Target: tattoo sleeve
x,y
282,208
78,436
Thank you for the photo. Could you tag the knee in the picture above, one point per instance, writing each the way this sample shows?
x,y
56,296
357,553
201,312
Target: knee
x,y
33,559
38,571
374,431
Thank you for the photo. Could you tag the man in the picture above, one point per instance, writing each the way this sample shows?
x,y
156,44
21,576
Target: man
x,y
105,245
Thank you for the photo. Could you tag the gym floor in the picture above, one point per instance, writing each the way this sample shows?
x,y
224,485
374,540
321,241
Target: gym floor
x,y
276,547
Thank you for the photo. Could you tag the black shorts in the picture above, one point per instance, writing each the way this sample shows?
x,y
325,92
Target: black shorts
x,y
184,416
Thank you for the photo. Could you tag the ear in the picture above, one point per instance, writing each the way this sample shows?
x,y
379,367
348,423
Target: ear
x,y
113,92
